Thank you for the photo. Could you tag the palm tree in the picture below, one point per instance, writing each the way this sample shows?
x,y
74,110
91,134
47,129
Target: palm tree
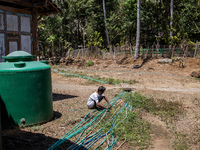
x,y
137,49
106,29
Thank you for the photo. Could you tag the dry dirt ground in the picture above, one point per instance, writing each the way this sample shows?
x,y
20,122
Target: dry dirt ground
x,y
160,81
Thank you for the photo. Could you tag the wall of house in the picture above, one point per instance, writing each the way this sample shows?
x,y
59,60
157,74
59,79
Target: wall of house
x,y
15,33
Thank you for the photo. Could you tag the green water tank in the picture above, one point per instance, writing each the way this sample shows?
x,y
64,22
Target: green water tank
x,y
25,90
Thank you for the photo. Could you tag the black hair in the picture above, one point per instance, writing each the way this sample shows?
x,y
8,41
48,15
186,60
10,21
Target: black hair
x,y
101,89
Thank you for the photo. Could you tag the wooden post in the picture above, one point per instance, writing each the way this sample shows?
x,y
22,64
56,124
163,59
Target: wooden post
x,y
34,32
38,47
5,35
131,50
114,52
82,51
195,49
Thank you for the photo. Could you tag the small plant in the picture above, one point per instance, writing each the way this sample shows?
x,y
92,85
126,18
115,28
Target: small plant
x,y
113,81
90,63
130,81
110,80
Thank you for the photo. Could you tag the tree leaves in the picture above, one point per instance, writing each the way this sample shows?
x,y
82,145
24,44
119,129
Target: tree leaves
x,y
82,23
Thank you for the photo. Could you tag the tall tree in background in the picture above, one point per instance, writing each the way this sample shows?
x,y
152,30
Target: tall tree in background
x,y
106,29
198,2
171,16
137,49
171,27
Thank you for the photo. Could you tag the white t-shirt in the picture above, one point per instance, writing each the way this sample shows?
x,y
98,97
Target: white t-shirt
x,y
94,98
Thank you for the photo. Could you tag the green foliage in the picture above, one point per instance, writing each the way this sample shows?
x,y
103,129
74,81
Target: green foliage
x,y
113,81
51,39
82,24
95,40
90,63
188,19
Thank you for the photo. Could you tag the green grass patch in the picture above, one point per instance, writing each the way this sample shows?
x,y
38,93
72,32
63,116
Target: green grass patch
x,y
169,111
113,81
129,126
181,142
130,81
117,81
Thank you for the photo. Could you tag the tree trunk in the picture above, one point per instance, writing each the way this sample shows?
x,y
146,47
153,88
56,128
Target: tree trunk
x,y
137,49
60,34
78,28
167,12
131,50
171,15
106,29
171,22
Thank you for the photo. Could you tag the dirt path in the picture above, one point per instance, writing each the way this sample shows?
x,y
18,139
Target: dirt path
x,y
162,139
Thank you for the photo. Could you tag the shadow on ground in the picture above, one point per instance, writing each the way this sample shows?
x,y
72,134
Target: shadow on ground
x,y
21,140
56,115
58,97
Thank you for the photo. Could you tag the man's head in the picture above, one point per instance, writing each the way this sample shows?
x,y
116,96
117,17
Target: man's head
x,y
101,90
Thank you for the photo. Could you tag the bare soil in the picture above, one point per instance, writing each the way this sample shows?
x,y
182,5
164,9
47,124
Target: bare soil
x,y
160,81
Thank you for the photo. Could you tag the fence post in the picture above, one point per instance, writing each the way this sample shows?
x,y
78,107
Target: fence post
x,y
124,50
152,50
82,51
195,49
131,50
114,52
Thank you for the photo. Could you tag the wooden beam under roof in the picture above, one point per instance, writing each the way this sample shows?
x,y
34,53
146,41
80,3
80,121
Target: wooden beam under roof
x,y
16,10
26,6
56,8
18,2
41,4
46,13
34,31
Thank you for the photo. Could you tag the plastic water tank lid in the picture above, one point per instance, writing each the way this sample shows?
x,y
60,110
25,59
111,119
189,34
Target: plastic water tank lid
x,y
18,54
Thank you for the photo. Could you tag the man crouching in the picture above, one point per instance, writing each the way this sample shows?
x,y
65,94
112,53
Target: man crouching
x,y
95,99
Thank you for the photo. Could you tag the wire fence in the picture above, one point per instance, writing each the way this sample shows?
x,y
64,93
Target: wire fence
x,y
128,51
119,52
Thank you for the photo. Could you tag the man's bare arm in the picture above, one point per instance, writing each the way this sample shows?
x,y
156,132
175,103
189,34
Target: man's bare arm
x,y
98,104
107,101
